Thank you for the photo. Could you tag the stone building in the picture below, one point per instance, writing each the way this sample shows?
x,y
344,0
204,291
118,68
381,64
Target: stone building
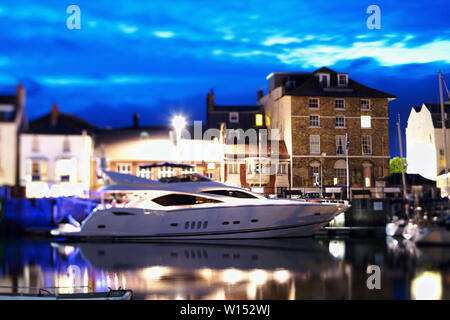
x,y
313,113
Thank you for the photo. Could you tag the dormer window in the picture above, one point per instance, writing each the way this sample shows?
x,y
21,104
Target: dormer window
x,y
234,117
342,80
324,80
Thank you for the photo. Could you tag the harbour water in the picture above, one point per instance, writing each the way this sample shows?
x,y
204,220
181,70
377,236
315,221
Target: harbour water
x,y
234,269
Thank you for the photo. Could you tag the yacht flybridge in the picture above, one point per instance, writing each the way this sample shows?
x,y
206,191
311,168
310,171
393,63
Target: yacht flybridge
x,y
192,206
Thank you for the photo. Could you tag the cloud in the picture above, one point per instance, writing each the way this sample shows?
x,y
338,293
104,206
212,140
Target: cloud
x,y
278,39
164,34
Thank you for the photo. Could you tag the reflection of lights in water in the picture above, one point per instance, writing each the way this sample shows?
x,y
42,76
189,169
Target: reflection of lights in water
x,y
232,276
251,291
338,221
179,297
68,250
281,276
206,274
337,249
258,277
392,243
220,295
154,273
116,281
427,286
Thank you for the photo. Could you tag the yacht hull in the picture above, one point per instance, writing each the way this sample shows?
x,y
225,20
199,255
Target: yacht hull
x,y
227,222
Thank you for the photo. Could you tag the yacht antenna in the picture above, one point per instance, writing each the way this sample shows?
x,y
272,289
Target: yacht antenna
x,y
444,131
401,157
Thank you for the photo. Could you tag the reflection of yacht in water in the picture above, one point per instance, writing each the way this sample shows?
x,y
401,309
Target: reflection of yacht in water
x,y
302,255
194,207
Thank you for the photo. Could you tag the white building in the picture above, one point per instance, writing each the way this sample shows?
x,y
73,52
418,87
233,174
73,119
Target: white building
x,y
12,120
55,156
424,141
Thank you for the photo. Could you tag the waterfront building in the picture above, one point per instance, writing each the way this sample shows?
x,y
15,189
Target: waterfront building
x,y
251,159
143,150
12,120
55,155
424,141
314,112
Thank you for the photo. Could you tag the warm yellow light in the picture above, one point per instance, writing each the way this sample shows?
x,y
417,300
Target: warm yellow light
x,y
366,122
268,121
427,286
259,120
281,276
154,273
232,276
258,277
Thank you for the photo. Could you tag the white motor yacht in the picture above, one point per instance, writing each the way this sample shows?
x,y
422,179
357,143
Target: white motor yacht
x,y
192,206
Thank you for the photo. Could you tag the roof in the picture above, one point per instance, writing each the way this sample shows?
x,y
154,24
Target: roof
x,y
308,85
412,179
166,164
65,124
435,110
8,108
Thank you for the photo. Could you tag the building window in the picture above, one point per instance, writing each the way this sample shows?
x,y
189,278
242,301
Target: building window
x,y
315,174
314,103
65,169
367,174
166,172
366,145
441,157
282,168
314,121
340,176
365,104
35,144
38,170
234,117
144,173
324,80
340,145
66,145
314,144
123,168
342,80
340,122
211,175
188,170
259,120
340,104
233,168
366,122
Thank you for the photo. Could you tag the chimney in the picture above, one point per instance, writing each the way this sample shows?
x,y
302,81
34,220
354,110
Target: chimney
x,y
54,114
136,120
210,100
260,93
21,95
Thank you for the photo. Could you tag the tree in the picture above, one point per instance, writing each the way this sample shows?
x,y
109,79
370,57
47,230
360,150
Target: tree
x,y
395,165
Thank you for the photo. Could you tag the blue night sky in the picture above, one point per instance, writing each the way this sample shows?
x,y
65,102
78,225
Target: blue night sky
x,y
161,58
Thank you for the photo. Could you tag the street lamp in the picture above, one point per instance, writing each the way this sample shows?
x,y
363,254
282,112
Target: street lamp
x,y
178,123
321,173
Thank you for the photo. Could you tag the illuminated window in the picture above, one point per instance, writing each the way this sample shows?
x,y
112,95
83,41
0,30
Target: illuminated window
x,y
366,145
366,122
259,120
340,172
233,168
314,121
365,104
367,172
313,103
314,144
65,169
340,122
123,168
339,104
234,117
166,172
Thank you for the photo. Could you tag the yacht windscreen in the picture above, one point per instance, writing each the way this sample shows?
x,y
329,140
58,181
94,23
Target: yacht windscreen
x,y
231,193
191,177
182,199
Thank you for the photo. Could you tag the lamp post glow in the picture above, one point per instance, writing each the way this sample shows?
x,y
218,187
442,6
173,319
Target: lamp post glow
x,y
178,123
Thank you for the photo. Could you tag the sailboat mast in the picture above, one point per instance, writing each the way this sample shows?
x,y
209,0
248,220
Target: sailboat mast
x,y
444,131
401,157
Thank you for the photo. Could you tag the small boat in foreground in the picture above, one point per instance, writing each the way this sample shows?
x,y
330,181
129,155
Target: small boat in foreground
x,y
192,206
44,294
